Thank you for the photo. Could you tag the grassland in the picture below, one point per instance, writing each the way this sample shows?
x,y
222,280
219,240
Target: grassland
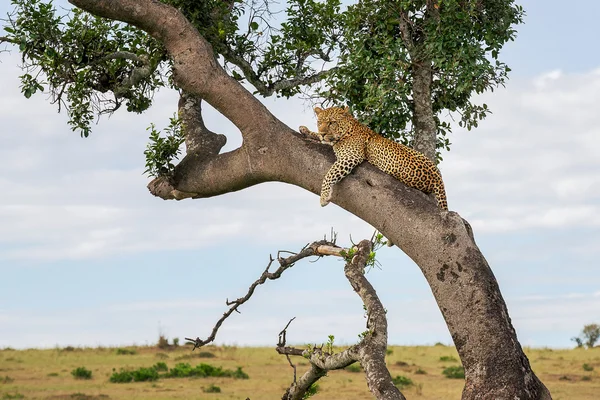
x,y
46,374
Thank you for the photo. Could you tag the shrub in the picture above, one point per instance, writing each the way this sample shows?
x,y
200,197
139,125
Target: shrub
x,y
145,374
162,356
176,342
239,374
6,379
586,378
160,366
206,354
212,389
53,374
420,372
389,352
402,381
123,376
587,367
353,368
81,373
126,352
163,342
183,370
454,372
448,358
564,378
401,363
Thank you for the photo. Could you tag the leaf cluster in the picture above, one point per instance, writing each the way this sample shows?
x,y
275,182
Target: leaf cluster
x,y
163,149
386,42
88,64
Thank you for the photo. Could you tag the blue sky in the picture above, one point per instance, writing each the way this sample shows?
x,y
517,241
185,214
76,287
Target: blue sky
x,y
89,257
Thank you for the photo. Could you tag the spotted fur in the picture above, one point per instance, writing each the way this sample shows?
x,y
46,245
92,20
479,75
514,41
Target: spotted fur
x,y
354,143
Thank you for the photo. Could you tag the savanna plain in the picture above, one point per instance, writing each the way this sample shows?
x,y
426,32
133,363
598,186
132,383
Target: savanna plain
x,y
257,373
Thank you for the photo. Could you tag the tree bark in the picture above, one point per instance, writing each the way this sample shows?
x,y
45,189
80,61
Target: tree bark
x,y
425,128
439,242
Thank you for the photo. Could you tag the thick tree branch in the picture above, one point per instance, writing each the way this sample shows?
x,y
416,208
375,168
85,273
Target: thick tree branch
x,y
199,140
195,68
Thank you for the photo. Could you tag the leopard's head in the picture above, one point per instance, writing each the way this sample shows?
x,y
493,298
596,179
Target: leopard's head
x,y
328,120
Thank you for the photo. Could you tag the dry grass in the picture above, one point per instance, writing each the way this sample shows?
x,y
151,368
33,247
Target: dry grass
x,y
46,374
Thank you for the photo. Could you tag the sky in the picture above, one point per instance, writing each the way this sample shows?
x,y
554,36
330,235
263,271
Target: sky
x,y
88,257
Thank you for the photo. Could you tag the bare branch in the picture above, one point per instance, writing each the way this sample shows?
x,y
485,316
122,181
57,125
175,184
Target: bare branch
x,y
265,89
370,351
284,264
6,39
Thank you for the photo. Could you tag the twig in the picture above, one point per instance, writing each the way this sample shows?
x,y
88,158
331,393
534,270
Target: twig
x,y
314,249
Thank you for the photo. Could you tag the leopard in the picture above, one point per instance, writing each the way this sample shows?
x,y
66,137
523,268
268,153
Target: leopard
x,y
354,142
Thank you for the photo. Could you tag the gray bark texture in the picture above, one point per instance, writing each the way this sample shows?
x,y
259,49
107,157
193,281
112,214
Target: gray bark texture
x,y
439,242
371,349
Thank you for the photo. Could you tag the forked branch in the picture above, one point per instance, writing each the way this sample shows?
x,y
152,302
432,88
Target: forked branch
x,y
370,351
319,248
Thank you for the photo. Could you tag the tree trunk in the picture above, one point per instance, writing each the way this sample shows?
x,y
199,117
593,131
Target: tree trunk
x,y
439,242
425,128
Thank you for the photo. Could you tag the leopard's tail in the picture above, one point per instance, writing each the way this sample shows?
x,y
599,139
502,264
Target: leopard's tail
x,y
440,195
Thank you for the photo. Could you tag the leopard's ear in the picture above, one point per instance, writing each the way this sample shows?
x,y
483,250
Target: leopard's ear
x,y
318,110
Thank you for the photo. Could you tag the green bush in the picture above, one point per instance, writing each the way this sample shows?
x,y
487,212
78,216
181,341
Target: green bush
x,y
587,367
448,358
353,368
586,378
160,366
212,389
126,352
138,375
402,381
420,372
183,370
6,379
454,372
239,374
81,373
123,376
145,374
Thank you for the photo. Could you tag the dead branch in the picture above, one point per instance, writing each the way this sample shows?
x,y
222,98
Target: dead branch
x,y
312,249
370,351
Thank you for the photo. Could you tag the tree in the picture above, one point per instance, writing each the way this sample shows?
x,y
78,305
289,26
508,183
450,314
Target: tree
x,y
588,337
92,65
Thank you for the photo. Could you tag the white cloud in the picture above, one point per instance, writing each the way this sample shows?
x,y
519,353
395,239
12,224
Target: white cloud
x,y
535,162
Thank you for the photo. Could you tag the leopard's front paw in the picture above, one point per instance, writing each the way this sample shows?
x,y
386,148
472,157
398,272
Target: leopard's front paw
x,y
304,130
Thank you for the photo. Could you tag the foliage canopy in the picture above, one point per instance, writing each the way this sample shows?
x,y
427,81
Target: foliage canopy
x,y
364,55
